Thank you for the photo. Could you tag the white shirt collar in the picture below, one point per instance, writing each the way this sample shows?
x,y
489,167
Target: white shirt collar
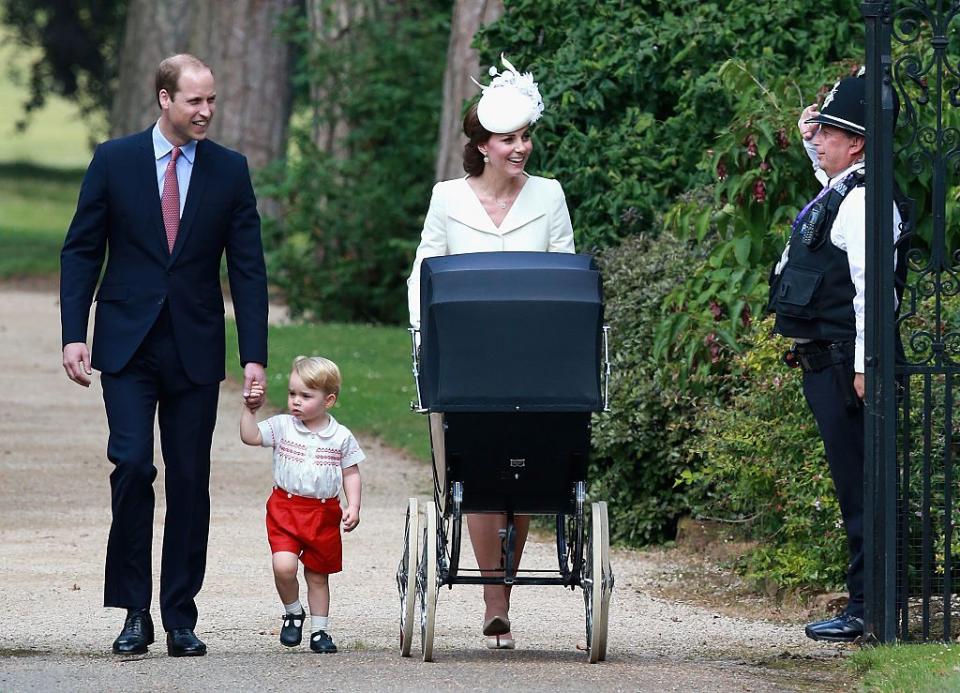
x,y
326,432
162,146
845,172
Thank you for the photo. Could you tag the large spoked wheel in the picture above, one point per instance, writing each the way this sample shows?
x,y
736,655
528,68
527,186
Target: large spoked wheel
x,y
427,582
596,581
606,588
570,536
407,575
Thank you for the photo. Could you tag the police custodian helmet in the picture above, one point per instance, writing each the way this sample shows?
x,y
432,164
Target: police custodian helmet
x,y
845,106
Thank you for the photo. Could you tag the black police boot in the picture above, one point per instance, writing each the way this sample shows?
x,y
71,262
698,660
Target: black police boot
x,y
842,628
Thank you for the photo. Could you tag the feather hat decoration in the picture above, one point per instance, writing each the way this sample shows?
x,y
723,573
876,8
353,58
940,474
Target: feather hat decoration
x,y
511,100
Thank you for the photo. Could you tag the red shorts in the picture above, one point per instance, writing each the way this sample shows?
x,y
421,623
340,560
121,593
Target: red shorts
x,y
307,527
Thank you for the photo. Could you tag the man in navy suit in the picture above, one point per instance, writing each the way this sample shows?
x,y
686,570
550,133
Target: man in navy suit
x,y
162,207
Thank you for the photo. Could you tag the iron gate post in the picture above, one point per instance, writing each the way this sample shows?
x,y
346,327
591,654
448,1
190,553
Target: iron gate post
x,y
880,487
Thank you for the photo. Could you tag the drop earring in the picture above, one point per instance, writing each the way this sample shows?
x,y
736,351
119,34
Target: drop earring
x,y
486,159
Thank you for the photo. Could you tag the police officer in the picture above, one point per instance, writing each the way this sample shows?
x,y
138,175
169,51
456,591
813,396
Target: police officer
x,y
817,293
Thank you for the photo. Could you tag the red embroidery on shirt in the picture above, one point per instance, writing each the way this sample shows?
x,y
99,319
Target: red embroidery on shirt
x,y
330,456
294,451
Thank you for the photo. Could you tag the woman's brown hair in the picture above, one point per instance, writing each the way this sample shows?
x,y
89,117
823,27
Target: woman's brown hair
x,y
476,135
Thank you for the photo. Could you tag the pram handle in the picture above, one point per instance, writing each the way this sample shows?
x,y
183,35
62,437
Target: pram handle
x,y
415,357
606,367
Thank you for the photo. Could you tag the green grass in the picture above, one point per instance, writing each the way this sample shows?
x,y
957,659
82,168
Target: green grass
x,y
56,137
36,205
377,380
929,668
40,170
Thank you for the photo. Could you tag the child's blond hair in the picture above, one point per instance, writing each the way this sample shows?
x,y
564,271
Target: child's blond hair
x,y
318,373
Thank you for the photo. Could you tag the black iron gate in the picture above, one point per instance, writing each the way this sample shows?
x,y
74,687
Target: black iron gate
x,y
913,553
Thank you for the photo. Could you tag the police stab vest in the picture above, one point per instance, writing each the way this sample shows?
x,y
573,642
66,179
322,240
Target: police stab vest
x,y
813,294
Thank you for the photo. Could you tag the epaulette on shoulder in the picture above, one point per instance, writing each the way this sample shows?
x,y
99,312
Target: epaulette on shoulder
x,y
854,179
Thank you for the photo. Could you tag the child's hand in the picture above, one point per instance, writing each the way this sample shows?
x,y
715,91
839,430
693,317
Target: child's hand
x,y
351,518
254,400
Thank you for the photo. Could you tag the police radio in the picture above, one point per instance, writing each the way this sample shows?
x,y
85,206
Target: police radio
x,y
810,228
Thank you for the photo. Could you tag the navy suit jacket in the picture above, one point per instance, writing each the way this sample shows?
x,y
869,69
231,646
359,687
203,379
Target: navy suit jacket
x,y
118,217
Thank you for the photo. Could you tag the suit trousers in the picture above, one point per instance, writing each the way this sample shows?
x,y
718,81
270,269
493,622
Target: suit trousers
x,y
841,429
154,383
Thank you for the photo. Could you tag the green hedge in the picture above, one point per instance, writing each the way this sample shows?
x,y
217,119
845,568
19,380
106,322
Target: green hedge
x,y
763,469
640,446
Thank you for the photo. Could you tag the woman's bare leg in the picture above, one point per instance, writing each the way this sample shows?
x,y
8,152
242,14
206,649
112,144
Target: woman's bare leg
x,y
485,537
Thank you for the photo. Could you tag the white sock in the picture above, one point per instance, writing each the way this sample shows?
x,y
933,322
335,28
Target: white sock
x,y
293,608
318,623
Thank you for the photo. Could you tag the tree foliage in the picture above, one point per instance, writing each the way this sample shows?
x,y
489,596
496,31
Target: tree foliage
x,y
79,42
633,96
761,177
342,244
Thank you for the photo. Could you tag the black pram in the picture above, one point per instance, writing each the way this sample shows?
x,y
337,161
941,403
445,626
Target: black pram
x,y
510,364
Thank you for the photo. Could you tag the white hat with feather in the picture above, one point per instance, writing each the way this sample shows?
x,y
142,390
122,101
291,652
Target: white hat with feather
x,y
511,100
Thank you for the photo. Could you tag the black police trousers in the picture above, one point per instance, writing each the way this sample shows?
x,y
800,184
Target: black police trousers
x,y
841,429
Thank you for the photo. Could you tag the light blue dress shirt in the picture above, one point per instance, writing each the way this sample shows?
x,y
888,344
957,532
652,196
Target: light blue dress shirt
x,y
162,150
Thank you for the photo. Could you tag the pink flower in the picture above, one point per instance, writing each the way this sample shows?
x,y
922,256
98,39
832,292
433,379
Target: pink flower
x,y
759,191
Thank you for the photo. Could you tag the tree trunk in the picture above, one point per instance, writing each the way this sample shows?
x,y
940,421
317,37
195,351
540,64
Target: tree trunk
x,y
239,41
153,31
462,63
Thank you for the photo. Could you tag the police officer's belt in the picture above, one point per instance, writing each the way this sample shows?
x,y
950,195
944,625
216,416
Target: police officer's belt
x,y
817,355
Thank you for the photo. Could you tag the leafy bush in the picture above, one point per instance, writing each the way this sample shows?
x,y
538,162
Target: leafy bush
x,y
640,447
763,467
762,178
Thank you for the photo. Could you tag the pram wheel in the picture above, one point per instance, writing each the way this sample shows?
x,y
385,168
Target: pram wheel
x,y
407,575
607,586
570,534
427,582
597,582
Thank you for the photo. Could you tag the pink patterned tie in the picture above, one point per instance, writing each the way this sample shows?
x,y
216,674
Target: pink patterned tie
x,y
170,200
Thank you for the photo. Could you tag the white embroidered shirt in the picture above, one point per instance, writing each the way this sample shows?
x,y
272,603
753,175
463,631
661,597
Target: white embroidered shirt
x,y
309,463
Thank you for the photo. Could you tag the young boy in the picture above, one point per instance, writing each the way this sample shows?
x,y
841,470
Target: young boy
x,y
313,458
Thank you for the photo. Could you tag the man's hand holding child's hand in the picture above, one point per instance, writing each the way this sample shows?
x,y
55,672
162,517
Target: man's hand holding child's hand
x,y
254,400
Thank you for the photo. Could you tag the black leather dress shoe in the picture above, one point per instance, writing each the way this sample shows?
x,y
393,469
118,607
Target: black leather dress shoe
x,y
137,633
842,628
181,642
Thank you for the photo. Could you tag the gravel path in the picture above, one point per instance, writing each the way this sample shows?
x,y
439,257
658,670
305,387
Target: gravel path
x,y
55,635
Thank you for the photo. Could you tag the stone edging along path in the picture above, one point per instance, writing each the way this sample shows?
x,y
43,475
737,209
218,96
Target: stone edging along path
x,y
55,635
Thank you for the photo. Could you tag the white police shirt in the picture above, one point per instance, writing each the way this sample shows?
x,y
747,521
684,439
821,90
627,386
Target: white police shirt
x,y
309,463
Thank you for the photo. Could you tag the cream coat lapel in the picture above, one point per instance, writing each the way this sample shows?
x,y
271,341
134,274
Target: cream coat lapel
x,y
528,206
464,206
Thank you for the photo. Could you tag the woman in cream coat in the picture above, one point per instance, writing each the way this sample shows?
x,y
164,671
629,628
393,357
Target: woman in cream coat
x,y
496,206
